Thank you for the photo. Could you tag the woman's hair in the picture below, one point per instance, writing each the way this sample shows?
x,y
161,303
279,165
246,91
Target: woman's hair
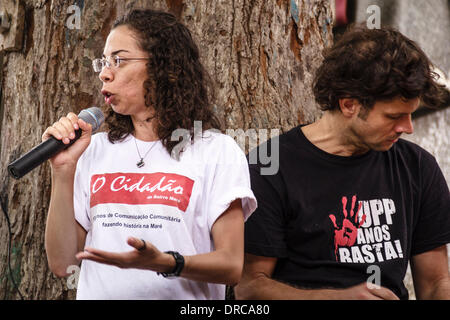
x,y
178,87
373,65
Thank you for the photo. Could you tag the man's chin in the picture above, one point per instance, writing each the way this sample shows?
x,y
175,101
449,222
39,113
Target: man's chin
x,y
385,146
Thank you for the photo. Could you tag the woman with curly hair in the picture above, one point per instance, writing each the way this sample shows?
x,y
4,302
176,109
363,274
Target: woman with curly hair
x,y
131,204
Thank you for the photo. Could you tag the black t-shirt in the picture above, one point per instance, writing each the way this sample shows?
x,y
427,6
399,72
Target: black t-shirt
x,y
334,221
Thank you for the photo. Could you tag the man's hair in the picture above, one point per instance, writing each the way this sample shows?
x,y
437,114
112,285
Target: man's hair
x,y
373,65
178,87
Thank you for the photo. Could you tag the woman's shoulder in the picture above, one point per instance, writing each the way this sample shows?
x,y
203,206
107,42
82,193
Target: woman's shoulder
x,y
216,140
99,141
214,147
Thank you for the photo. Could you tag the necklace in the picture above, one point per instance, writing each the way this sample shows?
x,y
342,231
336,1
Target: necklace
x,y
141,162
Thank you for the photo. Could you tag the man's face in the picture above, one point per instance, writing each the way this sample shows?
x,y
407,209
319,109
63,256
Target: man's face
x,y
379,128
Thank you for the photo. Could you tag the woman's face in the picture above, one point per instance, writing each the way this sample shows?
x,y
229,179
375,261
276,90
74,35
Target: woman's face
x,y
123,86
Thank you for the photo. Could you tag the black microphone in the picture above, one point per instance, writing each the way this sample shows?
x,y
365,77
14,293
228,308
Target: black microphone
x,y
47,149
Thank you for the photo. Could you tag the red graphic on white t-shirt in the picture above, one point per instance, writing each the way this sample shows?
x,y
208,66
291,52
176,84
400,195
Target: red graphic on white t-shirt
x,y
137,188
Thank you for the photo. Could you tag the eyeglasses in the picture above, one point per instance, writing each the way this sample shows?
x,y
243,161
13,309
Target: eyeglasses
x,y
99,64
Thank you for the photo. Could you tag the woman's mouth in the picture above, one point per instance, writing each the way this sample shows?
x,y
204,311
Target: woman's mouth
x,y
109,97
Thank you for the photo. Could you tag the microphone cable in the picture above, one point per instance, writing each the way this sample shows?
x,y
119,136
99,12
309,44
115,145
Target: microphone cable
x,y
4,205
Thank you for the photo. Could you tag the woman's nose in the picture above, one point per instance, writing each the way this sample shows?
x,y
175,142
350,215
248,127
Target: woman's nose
x,y
106,75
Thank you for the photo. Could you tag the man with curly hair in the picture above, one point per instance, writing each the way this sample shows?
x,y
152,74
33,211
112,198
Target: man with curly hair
x,y
352,202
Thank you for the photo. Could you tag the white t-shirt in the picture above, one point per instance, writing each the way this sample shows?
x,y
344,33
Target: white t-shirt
x,y
172,204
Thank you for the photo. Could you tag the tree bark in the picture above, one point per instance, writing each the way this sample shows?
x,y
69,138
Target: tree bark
x,y
261,55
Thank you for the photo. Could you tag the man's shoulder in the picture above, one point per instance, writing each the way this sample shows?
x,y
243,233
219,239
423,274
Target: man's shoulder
x,y
409,149
282,143
292,137
417,160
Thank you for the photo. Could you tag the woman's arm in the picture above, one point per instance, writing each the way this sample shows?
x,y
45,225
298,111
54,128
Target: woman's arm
x,y
64,237
223,265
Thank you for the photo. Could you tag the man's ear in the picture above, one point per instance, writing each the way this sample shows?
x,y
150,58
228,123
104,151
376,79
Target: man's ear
x,y
349,107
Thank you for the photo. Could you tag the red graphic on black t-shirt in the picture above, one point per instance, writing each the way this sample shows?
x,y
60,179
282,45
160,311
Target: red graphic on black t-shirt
x,y
345,236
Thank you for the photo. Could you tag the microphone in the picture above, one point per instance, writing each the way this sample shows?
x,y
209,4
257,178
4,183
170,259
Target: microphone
x,y
50,147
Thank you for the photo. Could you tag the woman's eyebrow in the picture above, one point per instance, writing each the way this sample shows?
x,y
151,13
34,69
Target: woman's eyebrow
x,y
116,52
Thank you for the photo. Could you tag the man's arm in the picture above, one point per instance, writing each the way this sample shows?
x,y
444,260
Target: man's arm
x,y
256,281
431,274
257,284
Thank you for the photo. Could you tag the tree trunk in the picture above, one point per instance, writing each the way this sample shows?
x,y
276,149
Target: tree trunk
x,y
260,53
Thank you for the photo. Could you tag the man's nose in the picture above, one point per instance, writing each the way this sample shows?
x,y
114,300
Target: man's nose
x,y
406,125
